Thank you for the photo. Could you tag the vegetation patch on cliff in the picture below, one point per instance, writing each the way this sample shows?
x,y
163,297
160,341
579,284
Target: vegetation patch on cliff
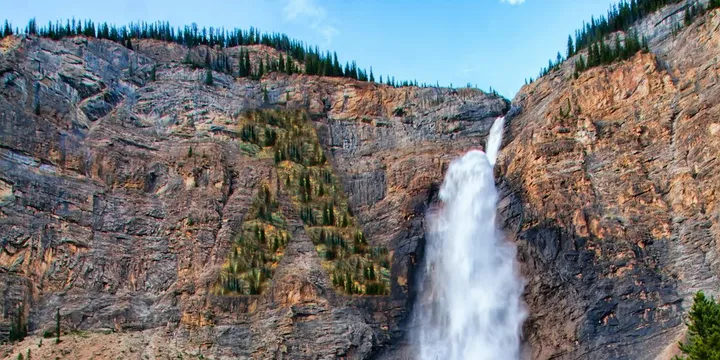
x,y
288,137
595,35
258,248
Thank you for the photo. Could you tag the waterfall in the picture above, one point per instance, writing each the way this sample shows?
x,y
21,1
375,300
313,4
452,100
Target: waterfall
x,y
470,302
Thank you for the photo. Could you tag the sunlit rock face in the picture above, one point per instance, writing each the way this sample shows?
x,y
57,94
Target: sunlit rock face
x,y
609,186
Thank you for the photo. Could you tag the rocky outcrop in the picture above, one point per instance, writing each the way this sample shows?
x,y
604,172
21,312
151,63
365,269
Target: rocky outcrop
x,y
120,196
610,184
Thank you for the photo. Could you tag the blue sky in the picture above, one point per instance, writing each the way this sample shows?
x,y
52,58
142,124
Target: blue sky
x,y
487,43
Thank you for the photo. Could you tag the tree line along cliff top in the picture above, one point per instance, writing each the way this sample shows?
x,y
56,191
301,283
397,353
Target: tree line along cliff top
x,y
603,48
299,57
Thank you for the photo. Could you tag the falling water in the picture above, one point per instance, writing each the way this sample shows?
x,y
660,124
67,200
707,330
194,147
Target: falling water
x,y
470,306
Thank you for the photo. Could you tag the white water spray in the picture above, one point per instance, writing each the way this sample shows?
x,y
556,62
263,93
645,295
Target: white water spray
x,y
471,306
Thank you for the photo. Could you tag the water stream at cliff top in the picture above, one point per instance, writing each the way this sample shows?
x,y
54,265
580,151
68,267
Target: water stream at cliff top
x,y
470,304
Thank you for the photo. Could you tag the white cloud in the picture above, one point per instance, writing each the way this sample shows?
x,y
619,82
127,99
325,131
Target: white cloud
x,y
315,15
467,70
513,2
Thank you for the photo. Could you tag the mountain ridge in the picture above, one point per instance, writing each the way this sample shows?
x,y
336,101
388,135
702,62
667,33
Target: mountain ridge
x,y
106,153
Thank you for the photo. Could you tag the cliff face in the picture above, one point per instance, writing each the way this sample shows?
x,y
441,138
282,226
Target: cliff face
x,y
120,198
609,189
611,184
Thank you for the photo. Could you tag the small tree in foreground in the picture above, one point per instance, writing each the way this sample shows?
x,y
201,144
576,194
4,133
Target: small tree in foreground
x,y
703,341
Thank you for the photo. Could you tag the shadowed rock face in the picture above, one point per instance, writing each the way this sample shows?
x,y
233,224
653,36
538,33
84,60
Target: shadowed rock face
x,y
106,215
611,184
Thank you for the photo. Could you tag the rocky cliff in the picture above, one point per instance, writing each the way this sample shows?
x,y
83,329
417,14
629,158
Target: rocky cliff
x,y
611,184
121,198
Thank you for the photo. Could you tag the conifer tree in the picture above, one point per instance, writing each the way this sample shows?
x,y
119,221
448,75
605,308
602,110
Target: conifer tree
x,y
580,64
703,330
57,326
207,59
570,47
248,67
337,69
241,64
31,28
208,77
354,71
7,29
18,326
593,57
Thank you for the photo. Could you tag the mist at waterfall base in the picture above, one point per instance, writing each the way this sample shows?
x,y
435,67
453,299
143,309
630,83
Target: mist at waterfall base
x,y
470,302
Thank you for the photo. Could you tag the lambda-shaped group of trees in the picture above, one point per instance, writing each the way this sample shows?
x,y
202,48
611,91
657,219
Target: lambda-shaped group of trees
x,y
288,137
